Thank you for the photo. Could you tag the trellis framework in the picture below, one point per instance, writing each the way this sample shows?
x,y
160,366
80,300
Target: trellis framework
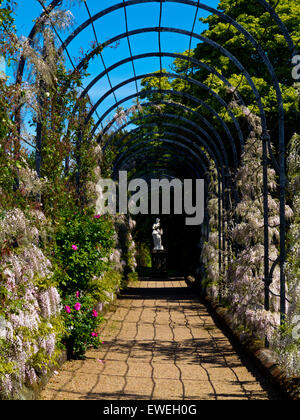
x,y
186,137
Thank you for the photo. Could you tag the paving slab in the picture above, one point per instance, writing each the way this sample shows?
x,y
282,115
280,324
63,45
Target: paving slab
x,y
160,343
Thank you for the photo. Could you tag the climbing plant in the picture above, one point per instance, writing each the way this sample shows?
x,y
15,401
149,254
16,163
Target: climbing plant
x,y
287,342
246,272
53,243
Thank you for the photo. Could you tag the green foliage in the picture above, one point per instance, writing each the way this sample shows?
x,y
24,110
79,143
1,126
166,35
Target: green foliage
x,y
293,240
67,163
6,367
110,282
67,159
7,28
93,238
82,322
41,360
287,347
255,19
132,278
108,161
8,162
143,255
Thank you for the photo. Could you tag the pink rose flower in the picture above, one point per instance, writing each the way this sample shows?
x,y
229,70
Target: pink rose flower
x,y
75,248
97,216
77,306
95,313
77,294
94,334
68,309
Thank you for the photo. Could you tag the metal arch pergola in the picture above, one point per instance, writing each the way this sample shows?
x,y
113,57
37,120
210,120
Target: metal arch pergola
x,y
190,110
193,154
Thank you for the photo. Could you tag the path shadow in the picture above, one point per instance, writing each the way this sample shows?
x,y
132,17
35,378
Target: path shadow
x,y
166,293
184,351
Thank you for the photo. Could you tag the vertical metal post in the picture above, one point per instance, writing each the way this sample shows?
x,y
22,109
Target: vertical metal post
x,y
78,166
266,225
282,196
220,231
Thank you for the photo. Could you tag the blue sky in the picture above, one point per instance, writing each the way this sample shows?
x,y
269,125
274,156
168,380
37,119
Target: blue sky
x,y
139,16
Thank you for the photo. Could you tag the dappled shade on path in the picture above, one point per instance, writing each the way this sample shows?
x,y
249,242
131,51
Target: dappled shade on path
x,y
160,343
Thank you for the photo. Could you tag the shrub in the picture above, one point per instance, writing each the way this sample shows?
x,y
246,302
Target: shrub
x,y
110,282
132,277
82,322
83,246
144,255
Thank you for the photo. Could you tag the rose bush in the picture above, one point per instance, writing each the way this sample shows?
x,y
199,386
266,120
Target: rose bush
x,y
82,323
83,246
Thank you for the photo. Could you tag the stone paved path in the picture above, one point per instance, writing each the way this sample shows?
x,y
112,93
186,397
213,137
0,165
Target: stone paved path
x,y
160,343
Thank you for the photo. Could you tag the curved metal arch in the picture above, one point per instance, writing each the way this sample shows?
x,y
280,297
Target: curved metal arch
x,y
152,133
161,159
80,28
229,139
241,29
203,39
282,26
167,141
181,107
212,10
159,54
218,47
175,55
197,4
266,138
167,115
168,133
260,51
227,179
153,160
223,179
223,51
220,165
281,118
33,32
173,92
201,6
169,146
177,127
161,75
151,170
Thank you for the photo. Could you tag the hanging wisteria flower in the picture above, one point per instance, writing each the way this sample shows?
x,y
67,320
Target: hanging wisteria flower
x,y
21,267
